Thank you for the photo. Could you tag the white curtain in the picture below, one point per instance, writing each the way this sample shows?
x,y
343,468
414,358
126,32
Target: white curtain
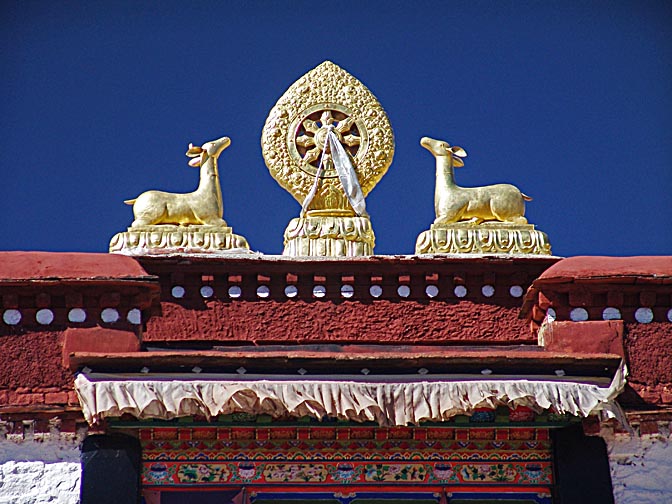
x,y
391,401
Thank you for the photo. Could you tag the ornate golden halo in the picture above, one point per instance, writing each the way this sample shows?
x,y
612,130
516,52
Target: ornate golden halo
x,y
292,140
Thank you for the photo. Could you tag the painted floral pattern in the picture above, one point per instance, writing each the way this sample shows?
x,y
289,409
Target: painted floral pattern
x,y
499,473
245,471
295,473
522,457
442,472
203,473
394,472
536,473
345,472
159,473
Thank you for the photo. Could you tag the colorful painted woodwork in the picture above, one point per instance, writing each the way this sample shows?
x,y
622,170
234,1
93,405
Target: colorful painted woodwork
x,y
364,460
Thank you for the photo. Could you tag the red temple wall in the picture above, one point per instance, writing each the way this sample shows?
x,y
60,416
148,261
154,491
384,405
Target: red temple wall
x,y
32,358
380,321
32,372
649,356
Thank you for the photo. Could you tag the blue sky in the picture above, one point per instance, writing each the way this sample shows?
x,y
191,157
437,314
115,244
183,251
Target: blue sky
x,y
570,101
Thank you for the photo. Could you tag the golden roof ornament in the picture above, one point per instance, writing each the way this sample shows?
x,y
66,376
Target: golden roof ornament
x,y
328,142
481,220
167,223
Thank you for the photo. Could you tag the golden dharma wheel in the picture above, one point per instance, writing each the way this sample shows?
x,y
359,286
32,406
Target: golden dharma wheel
x,y
294,142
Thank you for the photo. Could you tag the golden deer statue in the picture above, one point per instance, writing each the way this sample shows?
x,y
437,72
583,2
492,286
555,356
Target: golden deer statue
x,y
204,206
452,203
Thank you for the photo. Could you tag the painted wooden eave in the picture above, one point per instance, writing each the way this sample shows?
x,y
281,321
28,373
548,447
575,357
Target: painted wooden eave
x,y
350,359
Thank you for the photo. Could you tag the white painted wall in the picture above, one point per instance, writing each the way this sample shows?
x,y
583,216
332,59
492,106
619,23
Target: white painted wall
x,y
641,469
39,471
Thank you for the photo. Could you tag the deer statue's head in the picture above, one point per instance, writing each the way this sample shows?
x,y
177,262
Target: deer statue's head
x,y
440,148
209,149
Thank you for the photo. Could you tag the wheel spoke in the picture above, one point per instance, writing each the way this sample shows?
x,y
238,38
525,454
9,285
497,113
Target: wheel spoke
x,y
311,126
351,140
326,118
305,141
345,125
311,155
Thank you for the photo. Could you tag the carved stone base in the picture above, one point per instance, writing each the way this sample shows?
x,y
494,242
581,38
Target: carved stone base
x,y
172,239
484,238
329,236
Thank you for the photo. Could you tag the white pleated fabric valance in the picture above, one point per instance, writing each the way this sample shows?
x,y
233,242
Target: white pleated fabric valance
x,y
398,400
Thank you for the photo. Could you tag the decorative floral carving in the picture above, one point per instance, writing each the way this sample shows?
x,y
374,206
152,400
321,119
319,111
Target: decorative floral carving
x,y
177,239
329,236
485,238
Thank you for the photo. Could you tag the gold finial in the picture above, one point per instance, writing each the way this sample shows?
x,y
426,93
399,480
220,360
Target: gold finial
x,y
488,219
190,222
328,142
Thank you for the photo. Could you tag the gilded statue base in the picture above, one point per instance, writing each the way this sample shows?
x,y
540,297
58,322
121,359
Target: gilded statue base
x,y
484,238
175,239
329,236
